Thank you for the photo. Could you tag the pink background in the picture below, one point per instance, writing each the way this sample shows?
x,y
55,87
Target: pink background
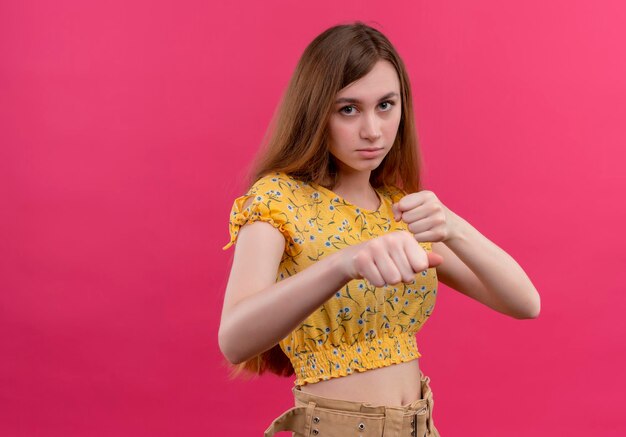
x,y
125,128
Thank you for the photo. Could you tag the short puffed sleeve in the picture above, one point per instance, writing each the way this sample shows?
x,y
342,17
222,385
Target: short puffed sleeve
x,y
271,203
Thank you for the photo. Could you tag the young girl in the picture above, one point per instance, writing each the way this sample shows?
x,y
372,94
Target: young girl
x,y
340,250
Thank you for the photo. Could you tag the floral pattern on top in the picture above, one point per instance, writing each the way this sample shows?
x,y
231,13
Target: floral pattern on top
x,y
361,326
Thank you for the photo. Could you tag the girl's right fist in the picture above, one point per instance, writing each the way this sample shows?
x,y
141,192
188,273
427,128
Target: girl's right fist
x,y
389,259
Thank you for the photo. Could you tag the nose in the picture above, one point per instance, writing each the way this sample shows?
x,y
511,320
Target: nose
x,y
370,128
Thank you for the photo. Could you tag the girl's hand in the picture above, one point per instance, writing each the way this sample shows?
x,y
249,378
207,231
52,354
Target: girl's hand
x,y
427,217
389,259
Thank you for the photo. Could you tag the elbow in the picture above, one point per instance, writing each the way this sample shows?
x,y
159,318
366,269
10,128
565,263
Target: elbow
x,y
535,313
531,311
536,308
226,347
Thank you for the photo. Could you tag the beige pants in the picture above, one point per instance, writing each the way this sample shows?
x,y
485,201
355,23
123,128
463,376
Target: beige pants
x,y
324,417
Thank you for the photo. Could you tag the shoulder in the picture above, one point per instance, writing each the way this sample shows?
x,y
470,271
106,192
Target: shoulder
x,y
269,199
281,188
393,192
276,182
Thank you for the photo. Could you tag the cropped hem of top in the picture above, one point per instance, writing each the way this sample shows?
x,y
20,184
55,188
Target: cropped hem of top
x,y
384,351
360,327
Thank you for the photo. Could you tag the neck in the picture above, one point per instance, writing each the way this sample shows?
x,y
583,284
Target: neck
x,y
355,187
357,182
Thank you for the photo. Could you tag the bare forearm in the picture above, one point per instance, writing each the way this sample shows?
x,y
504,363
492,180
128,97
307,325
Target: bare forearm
x,y
507,286
260,321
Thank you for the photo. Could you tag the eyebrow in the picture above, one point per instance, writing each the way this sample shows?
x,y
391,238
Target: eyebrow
x,y
353,100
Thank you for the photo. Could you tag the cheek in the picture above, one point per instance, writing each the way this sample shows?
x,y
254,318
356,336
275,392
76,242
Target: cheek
x,y
340,134
391,129
394,122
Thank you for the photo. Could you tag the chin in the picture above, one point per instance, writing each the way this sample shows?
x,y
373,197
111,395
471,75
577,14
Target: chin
x,y
370,166
361,164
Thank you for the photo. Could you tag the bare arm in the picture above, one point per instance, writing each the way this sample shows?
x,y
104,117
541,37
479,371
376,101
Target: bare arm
x,y
258,312
481,270
473,265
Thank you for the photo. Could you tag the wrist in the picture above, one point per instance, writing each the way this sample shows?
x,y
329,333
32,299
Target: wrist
x,y
458,228
341,264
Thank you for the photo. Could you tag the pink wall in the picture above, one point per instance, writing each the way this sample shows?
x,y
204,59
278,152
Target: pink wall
x,y
125,128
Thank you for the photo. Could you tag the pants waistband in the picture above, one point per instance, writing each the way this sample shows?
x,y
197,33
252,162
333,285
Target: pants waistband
x,y
316,415
303,398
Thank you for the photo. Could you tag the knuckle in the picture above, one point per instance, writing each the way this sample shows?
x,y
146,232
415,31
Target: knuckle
x,y
376,243
360,259
395,278
421,266
377,281
404,234
395,240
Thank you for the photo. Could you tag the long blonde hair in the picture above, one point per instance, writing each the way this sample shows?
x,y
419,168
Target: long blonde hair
x,y
296,142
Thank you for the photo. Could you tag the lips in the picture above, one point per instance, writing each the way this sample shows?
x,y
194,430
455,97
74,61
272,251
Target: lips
x,y
371,149
371,153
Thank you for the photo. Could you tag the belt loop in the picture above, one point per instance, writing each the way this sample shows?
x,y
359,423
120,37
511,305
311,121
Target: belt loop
x,y
393,422
429,419
310,409
290,420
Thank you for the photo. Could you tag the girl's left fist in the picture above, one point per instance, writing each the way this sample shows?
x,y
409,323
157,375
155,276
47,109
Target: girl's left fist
x,y
427,218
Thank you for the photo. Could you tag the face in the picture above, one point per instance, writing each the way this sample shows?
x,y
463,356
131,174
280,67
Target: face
x,y
365,119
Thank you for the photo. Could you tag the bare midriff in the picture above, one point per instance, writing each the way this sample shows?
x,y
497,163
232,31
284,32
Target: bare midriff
x,y
394,385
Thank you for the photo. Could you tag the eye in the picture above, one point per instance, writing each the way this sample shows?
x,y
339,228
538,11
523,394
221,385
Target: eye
x,y
342,110
389,104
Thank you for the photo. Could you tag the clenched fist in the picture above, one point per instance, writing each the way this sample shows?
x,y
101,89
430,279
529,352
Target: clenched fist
x,y
389,259
427,218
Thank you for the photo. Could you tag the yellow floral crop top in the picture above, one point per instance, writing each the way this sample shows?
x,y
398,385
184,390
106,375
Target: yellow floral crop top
x,y
361,326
